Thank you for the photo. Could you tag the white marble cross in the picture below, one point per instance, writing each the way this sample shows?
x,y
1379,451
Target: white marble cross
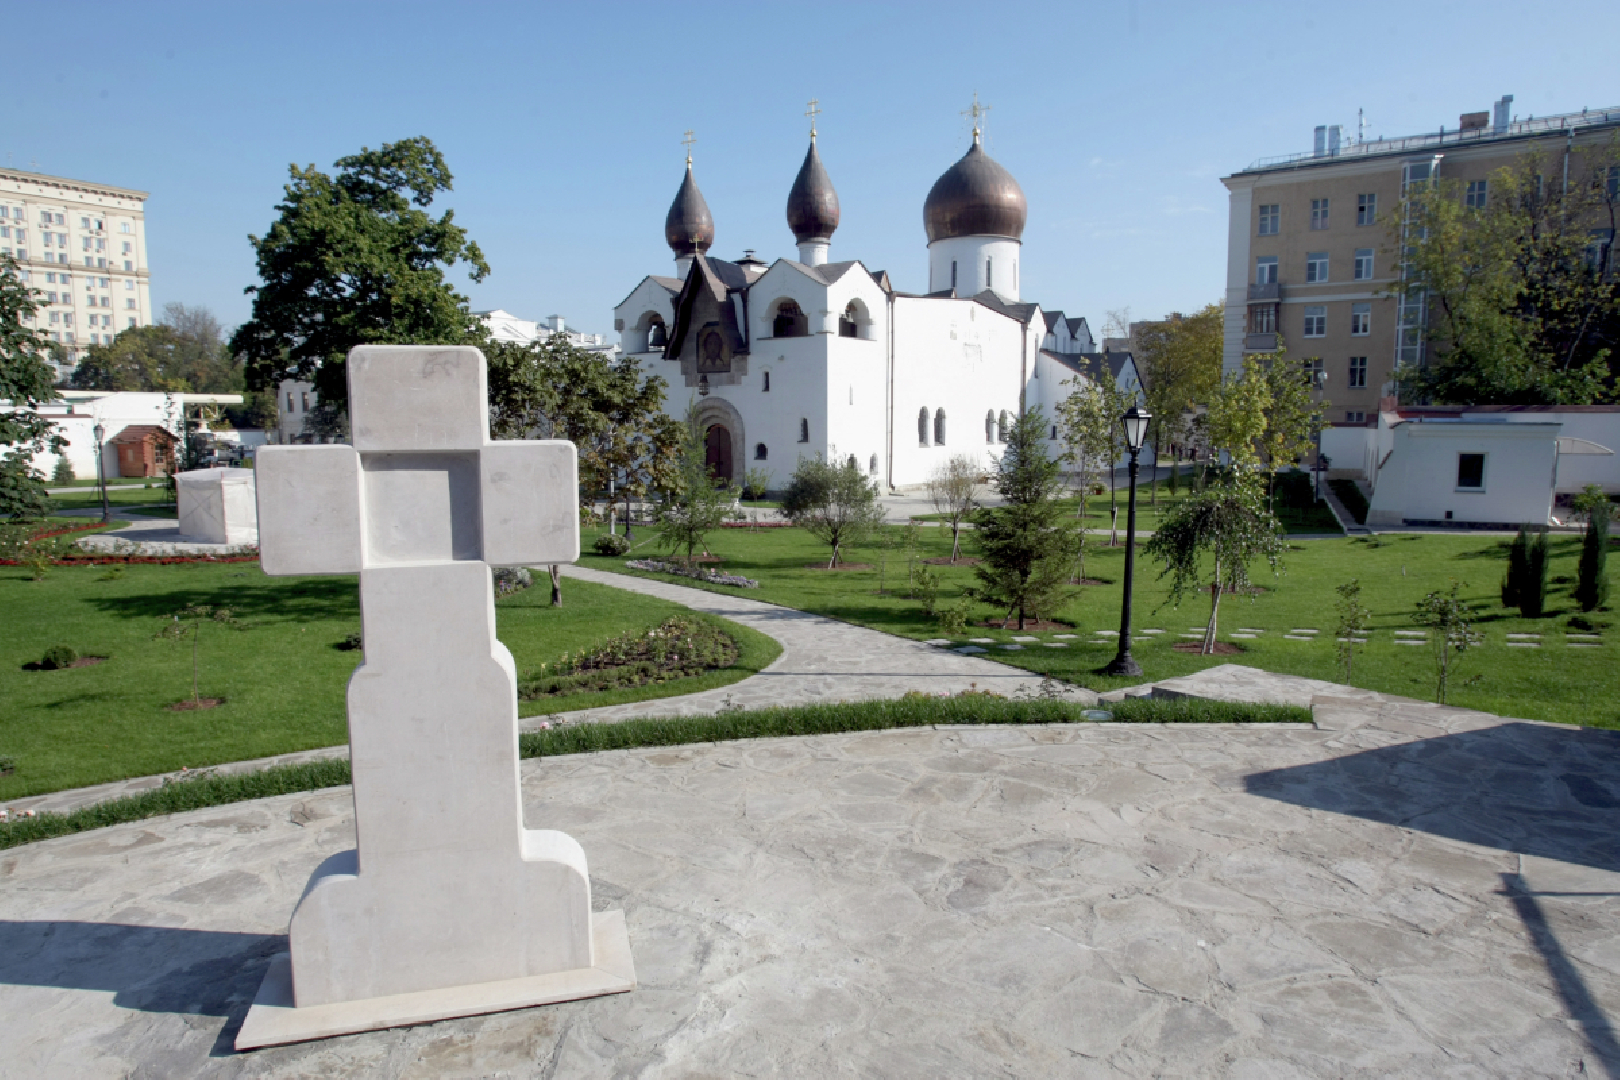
x,y
449,906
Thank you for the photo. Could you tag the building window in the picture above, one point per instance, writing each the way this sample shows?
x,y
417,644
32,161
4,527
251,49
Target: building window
x,y
804,431
1364,264
1316,320
1358,371
939,427
953,275
1360,319
1366,209
990,427
1316,266
760,452
988,280
789,321
132,324
128,265
1471,472
767,387
1270,218
1265,270
1263,319
1474,198
123,226
1351,416
130,303
1003,423
872,465
303,399
1319,213
289,401
1053,436
849,323
922,426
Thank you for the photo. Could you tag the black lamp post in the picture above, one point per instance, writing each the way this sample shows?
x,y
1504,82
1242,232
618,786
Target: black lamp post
x,y
101,471
1135,422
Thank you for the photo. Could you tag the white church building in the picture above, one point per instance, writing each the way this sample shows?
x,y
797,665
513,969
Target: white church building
x,y
808,356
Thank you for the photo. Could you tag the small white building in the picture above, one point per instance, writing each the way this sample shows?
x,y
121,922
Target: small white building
x,y
78,412
1482,467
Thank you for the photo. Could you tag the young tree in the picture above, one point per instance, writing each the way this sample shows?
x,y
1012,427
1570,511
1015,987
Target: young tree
x,y
1449,618
1592,578
1088,421
1238,410
1180,362
836,504
1353,621
1292,417
697,505
354,259
1029,544
1521,309
951,488
26,382
1229,522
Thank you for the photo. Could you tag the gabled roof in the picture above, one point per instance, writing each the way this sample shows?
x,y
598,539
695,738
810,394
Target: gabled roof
x,y
720,279
669,284
1077,324
1093,364
1052,319
826,273
1022,312
140,433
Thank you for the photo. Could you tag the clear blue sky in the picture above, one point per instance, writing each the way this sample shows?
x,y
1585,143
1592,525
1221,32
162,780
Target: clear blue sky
x,y
562,123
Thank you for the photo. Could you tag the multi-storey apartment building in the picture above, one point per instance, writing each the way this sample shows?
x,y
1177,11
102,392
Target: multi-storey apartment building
x,y
82,248
1311,256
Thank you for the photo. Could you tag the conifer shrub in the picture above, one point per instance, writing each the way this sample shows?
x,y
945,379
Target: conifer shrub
x,y
1592,579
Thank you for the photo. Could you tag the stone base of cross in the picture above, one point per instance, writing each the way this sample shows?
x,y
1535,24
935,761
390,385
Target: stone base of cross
x,y
449,906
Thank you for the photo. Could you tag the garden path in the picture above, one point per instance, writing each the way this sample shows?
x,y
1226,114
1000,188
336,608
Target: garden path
x,y
1401,889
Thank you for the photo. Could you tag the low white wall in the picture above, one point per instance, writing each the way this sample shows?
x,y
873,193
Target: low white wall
x,y
1418,481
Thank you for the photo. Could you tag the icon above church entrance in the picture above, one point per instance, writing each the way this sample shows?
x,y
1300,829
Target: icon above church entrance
x,y
712,354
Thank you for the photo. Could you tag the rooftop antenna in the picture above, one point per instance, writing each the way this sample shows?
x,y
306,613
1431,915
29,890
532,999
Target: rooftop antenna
x,y
978,113
812,112
688,142
1361,126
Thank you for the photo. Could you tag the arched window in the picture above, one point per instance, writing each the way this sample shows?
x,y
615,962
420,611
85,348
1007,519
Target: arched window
x,y
852,463
657,336
767,387
922,426
760,452
804,431
849,322
990,426
1003,422
871,466
789,321
939,427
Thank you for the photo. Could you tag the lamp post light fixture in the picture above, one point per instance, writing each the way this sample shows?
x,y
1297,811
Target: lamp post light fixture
x,y
101,470
1135,422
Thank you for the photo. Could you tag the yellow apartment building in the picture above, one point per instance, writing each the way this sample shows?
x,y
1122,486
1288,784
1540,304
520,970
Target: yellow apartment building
x,y
1311,258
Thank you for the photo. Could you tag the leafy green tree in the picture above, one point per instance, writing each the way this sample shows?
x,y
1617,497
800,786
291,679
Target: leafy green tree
x,y
1230,523
1522,308
836,504
181,354
1592,577
25,381
1292,417
356,259
1028,545
1093,439
952,487
696,503
1237,414
1180,362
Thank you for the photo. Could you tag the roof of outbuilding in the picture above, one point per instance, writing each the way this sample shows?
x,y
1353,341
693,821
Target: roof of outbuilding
x,y
1023,312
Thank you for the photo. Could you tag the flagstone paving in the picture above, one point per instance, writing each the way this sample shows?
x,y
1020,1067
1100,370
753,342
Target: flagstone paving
x,y
1402,889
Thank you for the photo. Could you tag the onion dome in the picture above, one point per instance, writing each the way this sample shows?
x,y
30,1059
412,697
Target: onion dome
x,y
688,228
812,206
975,197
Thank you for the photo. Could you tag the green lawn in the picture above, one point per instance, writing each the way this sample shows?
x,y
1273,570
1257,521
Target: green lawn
x,y
1314,520
283,680
90,498
1554,682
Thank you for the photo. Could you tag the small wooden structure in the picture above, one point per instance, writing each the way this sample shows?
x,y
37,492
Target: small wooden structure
x,y
144,450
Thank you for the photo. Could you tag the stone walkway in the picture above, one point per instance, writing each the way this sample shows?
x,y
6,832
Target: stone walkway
x,y
822,660
1403,890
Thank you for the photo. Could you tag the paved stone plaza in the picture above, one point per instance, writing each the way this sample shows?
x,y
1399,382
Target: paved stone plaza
x,y
1402,890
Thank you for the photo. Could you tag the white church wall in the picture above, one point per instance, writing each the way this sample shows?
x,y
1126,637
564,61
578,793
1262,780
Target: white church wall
x,y
631,316
970,254
857,375
955,355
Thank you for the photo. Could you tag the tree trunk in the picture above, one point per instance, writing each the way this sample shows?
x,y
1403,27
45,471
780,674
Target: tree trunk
x,y
1208,648
833,562
956,540
556,585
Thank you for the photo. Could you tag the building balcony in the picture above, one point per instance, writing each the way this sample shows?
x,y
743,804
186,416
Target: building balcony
x,y
1259,342
1270,292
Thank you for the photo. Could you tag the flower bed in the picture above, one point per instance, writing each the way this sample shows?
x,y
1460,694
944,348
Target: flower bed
x,y
677,647
696,573
154,560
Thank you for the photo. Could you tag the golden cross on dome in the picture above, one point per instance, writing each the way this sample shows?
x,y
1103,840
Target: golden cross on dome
x,y
977,112
813,112
687,142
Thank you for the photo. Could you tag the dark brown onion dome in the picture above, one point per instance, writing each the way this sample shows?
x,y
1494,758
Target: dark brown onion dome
x,y
688,228
975,197
812,206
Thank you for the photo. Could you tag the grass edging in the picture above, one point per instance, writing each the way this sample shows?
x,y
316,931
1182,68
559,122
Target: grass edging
x,y
221,789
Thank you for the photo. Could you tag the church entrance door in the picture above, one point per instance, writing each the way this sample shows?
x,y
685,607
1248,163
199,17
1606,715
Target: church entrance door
x,y
717,453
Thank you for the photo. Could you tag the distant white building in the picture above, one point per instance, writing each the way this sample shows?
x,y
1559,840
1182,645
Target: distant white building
x,y
81,246
808,357
504,326
78,412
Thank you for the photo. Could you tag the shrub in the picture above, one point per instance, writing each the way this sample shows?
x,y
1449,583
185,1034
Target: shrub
x,y
611,544
926,584
59,656
678,647
953,620
64,470
1513,580
1592,580
1533,589
351,642
511,579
